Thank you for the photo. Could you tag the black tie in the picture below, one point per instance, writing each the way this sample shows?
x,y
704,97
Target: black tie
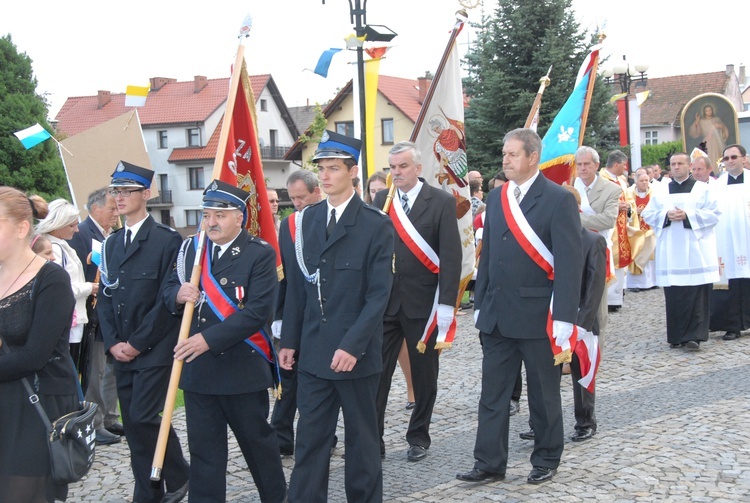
x,y
215,259
128,236
331,223
405,203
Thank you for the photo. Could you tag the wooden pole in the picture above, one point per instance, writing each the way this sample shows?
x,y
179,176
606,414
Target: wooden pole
x,y
543,83
174,378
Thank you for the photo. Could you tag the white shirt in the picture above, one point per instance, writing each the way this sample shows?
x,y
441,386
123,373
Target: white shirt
x,y
339,209
411,194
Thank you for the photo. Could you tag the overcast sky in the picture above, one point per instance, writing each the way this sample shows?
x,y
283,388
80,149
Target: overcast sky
x,y
84,46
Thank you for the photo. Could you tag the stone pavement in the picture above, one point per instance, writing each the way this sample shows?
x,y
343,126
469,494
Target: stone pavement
x,y
673,426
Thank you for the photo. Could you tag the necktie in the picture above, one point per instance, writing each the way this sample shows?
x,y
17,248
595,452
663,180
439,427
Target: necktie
x,y
128,236
215,259
331,223
517,193
588,189
405,203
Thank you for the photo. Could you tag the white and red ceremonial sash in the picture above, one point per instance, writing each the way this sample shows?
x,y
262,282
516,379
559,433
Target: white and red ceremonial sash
x,y
539,253
427,256
587,350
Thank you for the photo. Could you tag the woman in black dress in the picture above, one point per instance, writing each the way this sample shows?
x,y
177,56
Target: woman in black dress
x,y
36,306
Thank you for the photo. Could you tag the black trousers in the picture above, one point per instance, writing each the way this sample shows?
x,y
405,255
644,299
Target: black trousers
x,y
583,399
424,375
142,395
730,309
501,359
284,410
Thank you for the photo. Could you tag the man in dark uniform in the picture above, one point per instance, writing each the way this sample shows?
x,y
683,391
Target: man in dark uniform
x,y
431,213
531,248
226,375
302,187
139,332
338,285
99,385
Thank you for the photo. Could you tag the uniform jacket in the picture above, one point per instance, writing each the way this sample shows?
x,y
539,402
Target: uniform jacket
x,y
231,366
433,214
134,312
355,282
512,292
594,277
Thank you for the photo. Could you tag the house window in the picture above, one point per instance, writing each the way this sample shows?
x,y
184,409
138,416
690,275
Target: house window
x,y
196,178
192,218
162,139
652,137
194,137
387,125
345,128
263,106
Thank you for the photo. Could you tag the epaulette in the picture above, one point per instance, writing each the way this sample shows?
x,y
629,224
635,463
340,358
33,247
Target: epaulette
x,y
163,226
260,241
317,203
375,208
116,231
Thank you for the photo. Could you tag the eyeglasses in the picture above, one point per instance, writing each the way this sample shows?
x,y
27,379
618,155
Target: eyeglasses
x,y
732,157
123,192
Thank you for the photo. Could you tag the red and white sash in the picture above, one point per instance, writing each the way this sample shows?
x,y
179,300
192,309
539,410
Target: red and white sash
x,y
587,350
427,256
540,254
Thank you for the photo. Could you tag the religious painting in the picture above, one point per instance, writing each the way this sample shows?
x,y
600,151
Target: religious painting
x,y
709,122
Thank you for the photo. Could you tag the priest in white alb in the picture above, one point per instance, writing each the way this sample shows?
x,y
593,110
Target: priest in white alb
x,y
641,271
730,308
683,218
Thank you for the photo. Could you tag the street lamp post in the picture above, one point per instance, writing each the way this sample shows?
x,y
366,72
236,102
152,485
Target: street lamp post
x,y
623,75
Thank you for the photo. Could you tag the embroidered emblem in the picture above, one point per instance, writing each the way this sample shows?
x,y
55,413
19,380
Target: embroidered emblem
x,y
235,251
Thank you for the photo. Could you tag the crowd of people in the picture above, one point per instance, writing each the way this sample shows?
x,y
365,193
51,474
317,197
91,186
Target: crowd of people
x,y
368,283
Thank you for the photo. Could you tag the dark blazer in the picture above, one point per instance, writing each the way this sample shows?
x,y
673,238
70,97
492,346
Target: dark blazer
x,y
81,243
231,366
433,214
134,312
286,249
512,292
355,283
594,277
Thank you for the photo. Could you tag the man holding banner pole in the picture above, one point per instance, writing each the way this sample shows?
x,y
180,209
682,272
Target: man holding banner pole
x,y
427,270
526,305
229,355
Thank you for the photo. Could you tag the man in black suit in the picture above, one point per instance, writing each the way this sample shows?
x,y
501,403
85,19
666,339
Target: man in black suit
x,y
338,283
531,248
226,375
302,187
432,214
100,386
139,332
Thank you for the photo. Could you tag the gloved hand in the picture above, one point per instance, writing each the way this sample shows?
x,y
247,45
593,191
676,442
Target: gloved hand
x,y
276,329
561,331
444,317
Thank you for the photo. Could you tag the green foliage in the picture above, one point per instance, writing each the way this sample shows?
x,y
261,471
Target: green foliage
x,y
38,170
314,132
514,49
659,154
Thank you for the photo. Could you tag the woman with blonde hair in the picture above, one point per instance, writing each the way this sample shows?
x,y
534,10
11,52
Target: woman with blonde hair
x,y
36,305
59,226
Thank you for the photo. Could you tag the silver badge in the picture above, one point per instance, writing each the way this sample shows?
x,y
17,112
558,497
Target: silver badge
x,y
235,251
325,137
223,281
214,187
120,168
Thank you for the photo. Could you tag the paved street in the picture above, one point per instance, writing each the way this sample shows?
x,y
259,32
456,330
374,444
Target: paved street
x,y
673,426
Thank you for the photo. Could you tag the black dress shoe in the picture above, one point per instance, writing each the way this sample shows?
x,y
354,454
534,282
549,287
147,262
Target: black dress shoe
x,y
675,346
540,474
613,309
693,345
410,405
527,435
478,475
115,429
583,434
730,336
103,437
416,453
285,451
176,496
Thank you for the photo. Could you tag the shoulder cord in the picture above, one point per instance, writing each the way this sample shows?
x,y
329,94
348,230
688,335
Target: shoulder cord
x,y
298,250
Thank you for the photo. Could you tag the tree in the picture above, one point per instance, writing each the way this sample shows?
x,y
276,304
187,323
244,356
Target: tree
x,y
37,170
514,49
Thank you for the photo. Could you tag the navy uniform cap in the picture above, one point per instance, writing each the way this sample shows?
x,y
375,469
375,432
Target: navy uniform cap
x,y
130,175
337,146
222,195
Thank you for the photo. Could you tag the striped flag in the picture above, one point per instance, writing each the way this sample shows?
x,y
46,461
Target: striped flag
x,y
135,96
32,136
96,251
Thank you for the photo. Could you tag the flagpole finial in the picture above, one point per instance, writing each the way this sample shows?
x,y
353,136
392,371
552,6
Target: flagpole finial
x,y
601,36
247,25
462,16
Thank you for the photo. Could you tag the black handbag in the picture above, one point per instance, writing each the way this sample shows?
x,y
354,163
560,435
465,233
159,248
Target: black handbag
x,y
71,440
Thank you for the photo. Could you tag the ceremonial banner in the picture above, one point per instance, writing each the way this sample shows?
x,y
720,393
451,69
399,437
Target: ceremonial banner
x,y
565,134
238,155
439,135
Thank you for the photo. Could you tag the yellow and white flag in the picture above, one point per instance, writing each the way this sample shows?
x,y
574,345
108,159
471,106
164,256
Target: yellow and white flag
x,y
135,96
